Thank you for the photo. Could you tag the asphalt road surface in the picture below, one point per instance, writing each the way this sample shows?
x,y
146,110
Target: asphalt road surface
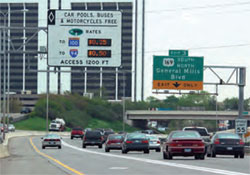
x,y
27,157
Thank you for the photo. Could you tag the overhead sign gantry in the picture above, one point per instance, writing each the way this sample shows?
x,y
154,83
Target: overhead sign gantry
x,y
84,38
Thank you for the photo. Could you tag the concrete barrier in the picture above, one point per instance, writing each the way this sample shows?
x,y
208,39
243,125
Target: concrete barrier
x,y
4,152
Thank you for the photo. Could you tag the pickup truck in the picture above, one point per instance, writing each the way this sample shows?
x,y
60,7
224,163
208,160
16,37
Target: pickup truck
x,y
202,131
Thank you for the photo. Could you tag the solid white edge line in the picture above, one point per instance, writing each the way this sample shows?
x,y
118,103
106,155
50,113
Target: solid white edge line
x,y
192,167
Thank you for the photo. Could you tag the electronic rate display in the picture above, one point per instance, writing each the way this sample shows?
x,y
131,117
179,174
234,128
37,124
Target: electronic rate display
x,y
99,42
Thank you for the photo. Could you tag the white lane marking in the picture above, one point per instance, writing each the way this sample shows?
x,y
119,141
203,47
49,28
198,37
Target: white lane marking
x,y
118,168
210,170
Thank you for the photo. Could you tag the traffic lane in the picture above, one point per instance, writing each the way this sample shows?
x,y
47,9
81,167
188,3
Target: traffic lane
x,y
91,161
24,160
220,162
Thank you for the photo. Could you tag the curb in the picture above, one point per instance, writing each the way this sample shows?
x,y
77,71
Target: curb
x,y
4,152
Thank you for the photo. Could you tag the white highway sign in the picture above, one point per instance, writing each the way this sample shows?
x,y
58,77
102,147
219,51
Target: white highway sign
x,y
84,38
241,126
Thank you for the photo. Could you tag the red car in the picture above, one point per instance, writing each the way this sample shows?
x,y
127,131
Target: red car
x,y
184,143
77,132
114,141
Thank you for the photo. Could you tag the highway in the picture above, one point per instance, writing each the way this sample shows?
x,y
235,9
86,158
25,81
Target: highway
x,y
27,157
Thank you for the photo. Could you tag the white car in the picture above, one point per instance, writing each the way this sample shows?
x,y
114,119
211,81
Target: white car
x,y
154,143
11,127
51,140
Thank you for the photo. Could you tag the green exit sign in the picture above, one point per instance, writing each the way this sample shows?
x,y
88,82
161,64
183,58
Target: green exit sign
x,y
178,52
245,113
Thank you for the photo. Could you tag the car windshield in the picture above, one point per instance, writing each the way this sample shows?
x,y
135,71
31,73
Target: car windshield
x,y
77,129
228,136
93,134
185,134
115,137
52,135
136,136
108,132
152,137
201,131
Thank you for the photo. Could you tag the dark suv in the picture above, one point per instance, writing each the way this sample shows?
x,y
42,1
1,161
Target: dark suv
x,y
92,138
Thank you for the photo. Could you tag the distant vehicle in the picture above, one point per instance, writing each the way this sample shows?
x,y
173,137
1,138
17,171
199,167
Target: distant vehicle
x,y
148,131
184,143
25,110
106,134
3,127
77,132
114,141
226,144
135,142
57,125
51,140
11,127
154,143
87,129
92,138
202,131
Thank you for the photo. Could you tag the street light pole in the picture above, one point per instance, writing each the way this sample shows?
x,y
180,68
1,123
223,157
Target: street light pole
x,y
4,72
123,103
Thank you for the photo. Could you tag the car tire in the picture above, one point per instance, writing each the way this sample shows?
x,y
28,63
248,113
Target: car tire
x,y
158,150
59,147
242,156
43,147
196,157
124,151
213,153
146,151
202,156
83,146
72,137
99,146
164,155
236,155
170,156
106,150
208,155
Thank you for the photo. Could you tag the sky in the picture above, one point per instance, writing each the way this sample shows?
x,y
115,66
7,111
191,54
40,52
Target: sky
x,y
219,30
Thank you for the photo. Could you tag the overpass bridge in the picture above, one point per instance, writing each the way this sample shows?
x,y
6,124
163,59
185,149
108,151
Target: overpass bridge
x,y
189,115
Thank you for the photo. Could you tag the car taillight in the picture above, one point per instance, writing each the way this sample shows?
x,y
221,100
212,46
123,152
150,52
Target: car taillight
x,y
201,144
46,140
217,141
144,141
158,142
129,141
241,142
102,138
173,144
109,142
57,140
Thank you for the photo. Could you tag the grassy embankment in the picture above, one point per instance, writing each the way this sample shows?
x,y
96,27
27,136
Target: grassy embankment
x,y
39,124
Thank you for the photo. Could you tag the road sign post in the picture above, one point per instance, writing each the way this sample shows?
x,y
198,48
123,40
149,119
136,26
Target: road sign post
x,y
178,71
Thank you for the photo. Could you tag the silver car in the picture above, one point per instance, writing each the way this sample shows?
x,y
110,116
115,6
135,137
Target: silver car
x,y
154,143
51,140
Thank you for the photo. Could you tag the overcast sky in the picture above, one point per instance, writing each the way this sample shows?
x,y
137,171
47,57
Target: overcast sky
x,y
219,30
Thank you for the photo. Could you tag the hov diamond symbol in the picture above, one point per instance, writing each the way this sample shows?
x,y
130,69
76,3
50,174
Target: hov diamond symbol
x,y
51,17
